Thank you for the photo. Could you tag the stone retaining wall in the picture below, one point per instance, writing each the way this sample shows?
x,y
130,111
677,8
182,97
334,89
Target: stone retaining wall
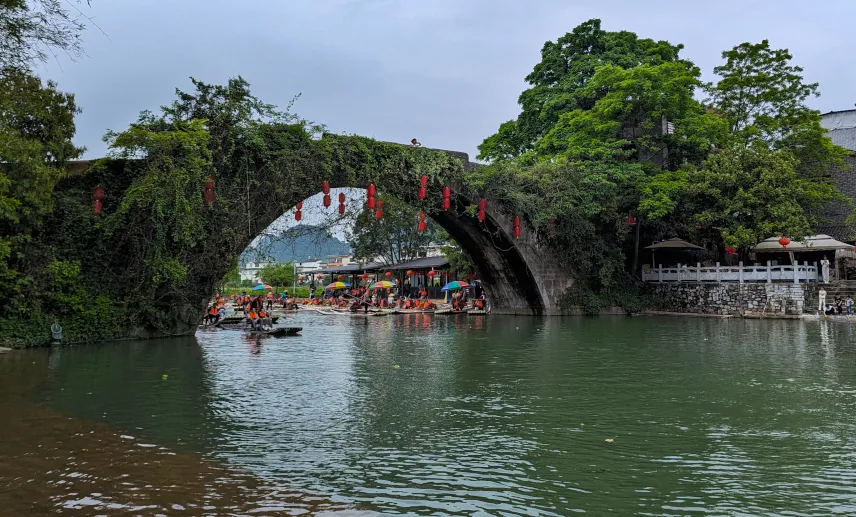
x,y
731,298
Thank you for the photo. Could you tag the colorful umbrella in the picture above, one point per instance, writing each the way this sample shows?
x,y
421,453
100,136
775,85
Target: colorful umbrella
x,y
261,287
338,285
454,286
383,284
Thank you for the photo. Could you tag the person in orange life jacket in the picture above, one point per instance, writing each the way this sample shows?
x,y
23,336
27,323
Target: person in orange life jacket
x,y
253,320
264,319
210,315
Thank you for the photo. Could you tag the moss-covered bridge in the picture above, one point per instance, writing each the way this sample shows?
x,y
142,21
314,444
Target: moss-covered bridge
x,y
520,276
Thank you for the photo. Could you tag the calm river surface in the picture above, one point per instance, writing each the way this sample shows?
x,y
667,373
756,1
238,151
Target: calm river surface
x,y
422,415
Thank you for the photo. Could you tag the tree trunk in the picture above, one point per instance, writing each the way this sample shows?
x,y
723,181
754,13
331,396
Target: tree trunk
x,y
636,249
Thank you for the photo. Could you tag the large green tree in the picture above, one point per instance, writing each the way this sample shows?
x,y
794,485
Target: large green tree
x,y
772,177
559,82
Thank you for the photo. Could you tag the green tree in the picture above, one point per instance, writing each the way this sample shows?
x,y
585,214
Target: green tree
x,y
36,127
35,30
278,275
392,239
763,96
559,81
749,194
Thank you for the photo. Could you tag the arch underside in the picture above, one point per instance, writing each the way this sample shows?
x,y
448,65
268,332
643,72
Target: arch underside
x,y
511,285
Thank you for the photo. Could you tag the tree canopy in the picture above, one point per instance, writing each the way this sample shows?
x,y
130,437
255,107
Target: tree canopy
x,y
278,275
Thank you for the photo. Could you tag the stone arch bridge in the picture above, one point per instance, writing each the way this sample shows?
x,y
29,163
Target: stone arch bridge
x,y
521,276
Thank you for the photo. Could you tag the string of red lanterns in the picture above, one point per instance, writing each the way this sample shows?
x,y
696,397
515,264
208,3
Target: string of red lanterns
x,y
516,227
421,221
370,200
298,214
379,213
97,200
482,206
325,188
341,203
447,203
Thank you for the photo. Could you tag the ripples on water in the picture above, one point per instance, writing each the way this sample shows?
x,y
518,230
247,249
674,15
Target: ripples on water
x,y
428,415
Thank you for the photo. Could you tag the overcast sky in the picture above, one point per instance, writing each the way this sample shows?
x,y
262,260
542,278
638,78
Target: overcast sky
x,y
447,72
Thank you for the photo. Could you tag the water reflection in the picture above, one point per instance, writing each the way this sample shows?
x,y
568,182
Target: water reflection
x,y
426,415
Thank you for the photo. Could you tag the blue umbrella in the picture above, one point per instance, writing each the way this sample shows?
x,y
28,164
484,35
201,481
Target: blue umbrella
x,y
454,286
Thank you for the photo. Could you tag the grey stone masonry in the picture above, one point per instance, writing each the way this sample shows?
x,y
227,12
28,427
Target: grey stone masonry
x,y
731,299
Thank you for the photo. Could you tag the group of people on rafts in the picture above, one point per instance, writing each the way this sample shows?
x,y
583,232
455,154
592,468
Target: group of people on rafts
x,y
257,309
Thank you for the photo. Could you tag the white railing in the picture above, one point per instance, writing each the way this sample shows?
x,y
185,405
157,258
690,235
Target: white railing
x,y
740,273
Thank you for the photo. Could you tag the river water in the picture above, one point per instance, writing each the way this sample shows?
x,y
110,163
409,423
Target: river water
x,y
422,415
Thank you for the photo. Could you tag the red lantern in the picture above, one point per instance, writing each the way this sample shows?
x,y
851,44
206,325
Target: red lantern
x,y
731,251
371,190
421,226
423,193
409,272
325,187
341,277
447,192
388,274
209,192
97,198
446,203
432,273
784,241
370,203
516,232
341,209
516,222
631,221
341,197
298,215
320,277
326,200
300,278
365,276
423,181
299,205
378,214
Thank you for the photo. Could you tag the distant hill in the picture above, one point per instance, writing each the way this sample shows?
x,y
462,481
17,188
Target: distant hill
x,y
299,243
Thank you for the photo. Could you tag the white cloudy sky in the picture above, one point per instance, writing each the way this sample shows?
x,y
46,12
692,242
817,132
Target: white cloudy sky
x,y
445,71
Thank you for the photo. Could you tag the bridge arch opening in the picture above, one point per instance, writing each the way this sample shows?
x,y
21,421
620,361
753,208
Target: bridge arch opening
x,y
510,285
